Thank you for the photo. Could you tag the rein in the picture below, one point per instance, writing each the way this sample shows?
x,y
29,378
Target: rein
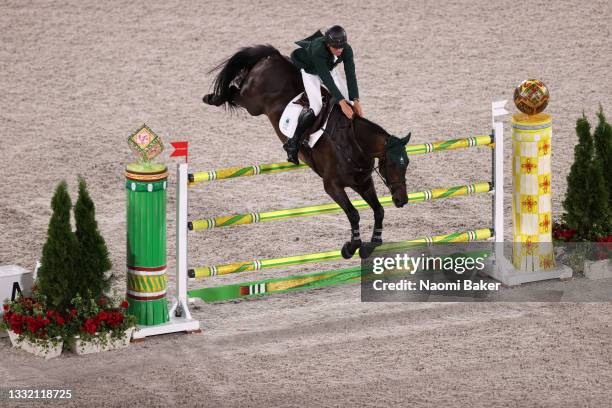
x,y
350,160
364,154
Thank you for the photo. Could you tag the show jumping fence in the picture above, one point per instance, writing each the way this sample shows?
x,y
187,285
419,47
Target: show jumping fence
x,y
503,270
185,180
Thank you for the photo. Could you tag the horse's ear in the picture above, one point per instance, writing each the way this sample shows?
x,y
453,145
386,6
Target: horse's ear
x,y
406,139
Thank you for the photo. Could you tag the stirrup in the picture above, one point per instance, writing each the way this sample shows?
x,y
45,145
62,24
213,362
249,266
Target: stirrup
x,y
293,157
292,152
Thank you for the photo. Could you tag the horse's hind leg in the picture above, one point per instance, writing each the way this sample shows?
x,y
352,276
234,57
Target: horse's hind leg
x,y
338,194
368,193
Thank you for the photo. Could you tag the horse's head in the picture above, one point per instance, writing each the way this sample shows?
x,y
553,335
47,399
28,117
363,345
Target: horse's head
x,y
393,167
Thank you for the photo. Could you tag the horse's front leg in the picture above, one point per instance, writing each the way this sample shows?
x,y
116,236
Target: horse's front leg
x,y
338,194
368,193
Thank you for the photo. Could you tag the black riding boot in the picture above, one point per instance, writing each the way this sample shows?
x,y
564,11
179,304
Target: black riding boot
x,y
305,120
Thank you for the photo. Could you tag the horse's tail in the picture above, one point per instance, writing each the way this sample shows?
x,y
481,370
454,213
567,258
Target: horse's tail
x,y
237,65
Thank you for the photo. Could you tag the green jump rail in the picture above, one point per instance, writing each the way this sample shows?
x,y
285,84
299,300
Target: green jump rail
x,y
257,169
256,217
255,265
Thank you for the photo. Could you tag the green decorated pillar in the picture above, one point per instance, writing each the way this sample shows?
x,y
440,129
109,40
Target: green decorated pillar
x,y
146,242
146,184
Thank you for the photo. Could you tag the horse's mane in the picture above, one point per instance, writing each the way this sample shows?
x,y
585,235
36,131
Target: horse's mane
x,y
376,127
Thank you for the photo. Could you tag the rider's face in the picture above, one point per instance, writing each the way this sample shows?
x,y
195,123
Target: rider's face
x,y
336,51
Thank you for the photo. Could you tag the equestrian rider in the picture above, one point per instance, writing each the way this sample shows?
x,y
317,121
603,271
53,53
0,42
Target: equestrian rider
x,y
317,58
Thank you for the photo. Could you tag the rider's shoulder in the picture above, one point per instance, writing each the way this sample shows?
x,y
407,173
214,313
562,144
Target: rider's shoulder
x,y
318,47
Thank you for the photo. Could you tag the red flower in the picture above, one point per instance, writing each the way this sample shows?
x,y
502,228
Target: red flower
x,y
564,234
6,307
16,319
90,326
102,301
124,304
73,312
59,320
102,316
115,319
50,313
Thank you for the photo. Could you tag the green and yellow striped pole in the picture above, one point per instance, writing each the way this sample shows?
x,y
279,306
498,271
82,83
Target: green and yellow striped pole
x,y
255,265
255,217
246,171
146,243
293,283
257,169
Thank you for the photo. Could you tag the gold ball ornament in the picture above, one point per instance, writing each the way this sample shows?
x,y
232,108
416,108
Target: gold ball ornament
x,y
531,96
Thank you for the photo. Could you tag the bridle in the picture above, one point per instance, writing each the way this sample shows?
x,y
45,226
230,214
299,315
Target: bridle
x,y
389,185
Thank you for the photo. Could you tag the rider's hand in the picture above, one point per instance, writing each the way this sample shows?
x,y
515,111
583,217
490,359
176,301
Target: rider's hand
x,y
357,107
346,108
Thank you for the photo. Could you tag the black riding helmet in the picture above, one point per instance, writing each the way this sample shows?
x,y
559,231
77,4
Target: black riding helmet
x,y
335,37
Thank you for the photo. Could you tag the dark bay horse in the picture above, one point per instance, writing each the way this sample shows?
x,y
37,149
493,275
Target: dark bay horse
x,y
262,81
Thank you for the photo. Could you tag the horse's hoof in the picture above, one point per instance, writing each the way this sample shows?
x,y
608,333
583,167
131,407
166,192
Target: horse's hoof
x,y
345,251
366,250
349,249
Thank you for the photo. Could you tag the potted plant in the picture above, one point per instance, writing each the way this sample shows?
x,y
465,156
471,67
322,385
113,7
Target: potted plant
x,y
585,229
69,305
100,325
34,327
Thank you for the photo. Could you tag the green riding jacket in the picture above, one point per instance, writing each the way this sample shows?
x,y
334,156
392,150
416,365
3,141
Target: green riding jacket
x,y
316,59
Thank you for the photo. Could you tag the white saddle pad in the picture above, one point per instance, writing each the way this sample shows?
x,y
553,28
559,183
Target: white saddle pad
x,y
289,118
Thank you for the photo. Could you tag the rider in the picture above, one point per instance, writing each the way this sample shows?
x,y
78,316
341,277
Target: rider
x,y
317,58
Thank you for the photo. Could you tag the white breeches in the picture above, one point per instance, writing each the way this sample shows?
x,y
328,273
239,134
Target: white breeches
x,y
312,85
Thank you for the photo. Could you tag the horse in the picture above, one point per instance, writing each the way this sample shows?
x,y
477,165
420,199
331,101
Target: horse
x,y
263,81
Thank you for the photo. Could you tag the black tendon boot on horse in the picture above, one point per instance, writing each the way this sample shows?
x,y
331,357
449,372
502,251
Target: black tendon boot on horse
x,y
292,146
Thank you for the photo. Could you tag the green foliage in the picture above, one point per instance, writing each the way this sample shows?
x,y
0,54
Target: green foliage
x,y
93,261
73,263
56,275
603,156
69,296
586,201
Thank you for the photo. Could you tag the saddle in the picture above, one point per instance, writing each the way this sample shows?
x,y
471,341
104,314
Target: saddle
x,y
328,105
